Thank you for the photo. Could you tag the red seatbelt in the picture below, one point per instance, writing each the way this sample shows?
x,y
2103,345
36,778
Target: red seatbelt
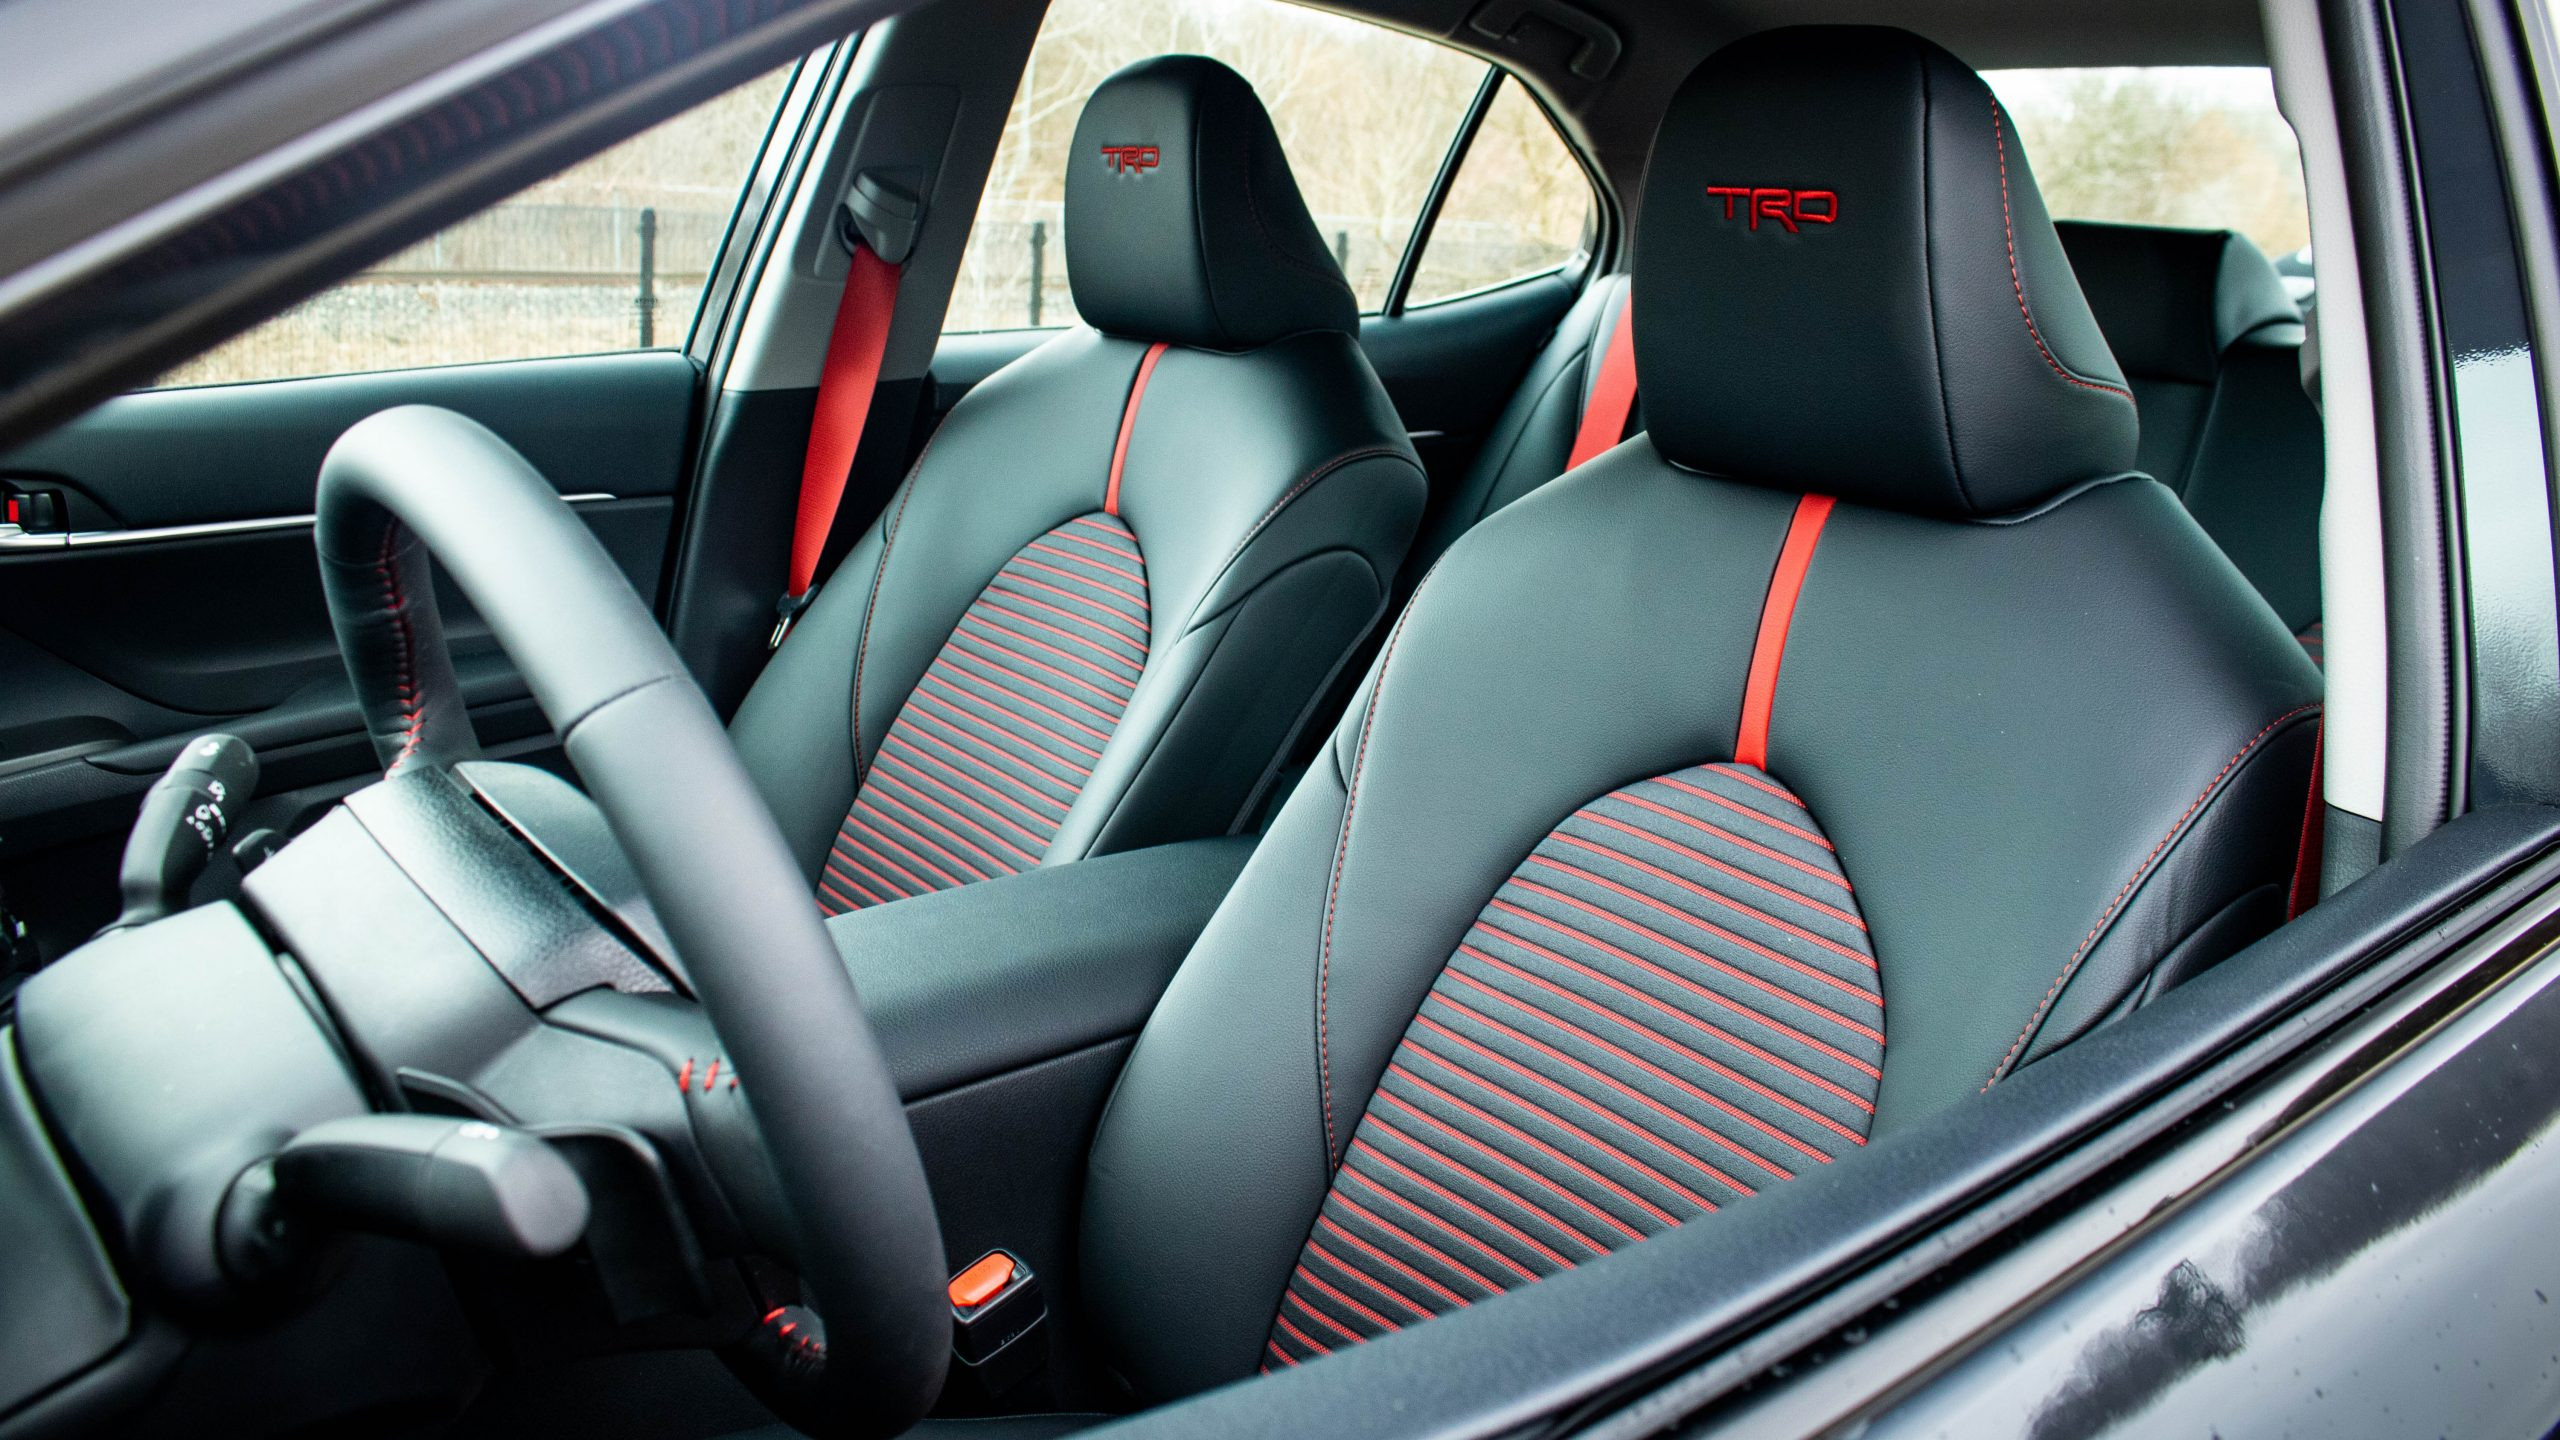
x,y
2305,891
1613,395
852,373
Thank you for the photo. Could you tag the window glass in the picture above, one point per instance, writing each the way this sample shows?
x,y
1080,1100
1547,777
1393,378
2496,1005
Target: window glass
x,y
1365,114
2197,146
1518,205
609,254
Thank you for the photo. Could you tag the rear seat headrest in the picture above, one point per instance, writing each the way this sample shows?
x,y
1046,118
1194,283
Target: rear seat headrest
x,y
1183,223
2173,300
1845,283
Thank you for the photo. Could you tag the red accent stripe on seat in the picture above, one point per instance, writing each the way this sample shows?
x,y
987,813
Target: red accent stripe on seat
x,y
1129,422
1751,743
1613,393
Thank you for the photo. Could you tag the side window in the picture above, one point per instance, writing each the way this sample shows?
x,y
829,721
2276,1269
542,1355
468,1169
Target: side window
x,y
609,254
1519,205
1366,115
2167,145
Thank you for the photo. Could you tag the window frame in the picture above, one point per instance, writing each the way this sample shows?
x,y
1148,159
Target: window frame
x,y
1400,289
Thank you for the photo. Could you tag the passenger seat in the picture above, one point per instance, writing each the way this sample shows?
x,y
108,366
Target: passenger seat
x,y
2212,345
1118,579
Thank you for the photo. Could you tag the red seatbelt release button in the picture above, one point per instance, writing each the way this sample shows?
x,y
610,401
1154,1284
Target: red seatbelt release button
x,y
982,1281
995,1310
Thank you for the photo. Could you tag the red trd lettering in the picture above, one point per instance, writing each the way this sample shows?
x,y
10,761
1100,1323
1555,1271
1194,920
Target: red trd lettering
x,y
1779,204
1131,159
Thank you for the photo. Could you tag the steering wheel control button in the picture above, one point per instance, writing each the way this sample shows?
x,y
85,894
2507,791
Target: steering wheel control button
x,y
982,1281
996,1312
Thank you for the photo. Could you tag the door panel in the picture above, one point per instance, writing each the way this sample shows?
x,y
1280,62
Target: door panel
x,y
1451,367
119,640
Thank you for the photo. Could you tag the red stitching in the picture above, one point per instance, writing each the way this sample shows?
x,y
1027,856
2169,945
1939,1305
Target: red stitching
x,y
1374,452
871,606
2140,872
412,711
1333,888
1999,143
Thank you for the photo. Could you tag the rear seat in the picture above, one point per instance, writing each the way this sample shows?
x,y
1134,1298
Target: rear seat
x,y
1532,438
2212,344
2200,323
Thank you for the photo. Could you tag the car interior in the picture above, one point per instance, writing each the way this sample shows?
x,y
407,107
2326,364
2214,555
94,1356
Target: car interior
x,y
1346,785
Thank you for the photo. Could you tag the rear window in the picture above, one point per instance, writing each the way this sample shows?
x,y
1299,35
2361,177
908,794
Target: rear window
x,y
2200,146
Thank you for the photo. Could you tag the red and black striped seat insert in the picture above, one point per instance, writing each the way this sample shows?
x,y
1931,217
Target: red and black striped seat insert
x,y
977,772
1669,1006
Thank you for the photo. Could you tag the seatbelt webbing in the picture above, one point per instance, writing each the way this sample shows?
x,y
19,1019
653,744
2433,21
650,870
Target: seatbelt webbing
x,y
1613,395
2305,890
845,386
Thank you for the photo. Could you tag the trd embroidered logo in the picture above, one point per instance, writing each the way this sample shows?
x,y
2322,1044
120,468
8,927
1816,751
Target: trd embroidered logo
x,y
1130,159
1778,204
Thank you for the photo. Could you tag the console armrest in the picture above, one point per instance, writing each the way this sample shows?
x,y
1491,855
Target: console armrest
x,y
967,983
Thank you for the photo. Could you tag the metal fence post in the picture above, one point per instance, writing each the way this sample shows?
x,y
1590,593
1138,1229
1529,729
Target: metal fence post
x,y
647,303
1039,249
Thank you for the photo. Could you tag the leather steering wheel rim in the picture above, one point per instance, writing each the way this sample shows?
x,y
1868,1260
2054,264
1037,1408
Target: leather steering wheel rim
x,y
418,482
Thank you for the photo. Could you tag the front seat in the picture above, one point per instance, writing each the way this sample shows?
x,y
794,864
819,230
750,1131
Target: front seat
x,y
1798,769
1108,596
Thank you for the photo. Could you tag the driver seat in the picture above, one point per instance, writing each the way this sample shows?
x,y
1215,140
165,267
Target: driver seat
x,y
1862,732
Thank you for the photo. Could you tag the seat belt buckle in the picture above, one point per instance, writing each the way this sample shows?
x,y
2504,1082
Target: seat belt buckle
x,y
786,613
996,1311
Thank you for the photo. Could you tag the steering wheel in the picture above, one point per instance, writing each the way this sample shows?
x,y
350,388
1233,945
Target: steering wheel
x,y
416,484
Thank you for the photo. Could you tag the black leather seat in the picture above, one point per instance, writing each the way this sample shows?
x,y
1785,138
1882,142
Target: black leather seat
x,y
2212,345
1107,598
1696,827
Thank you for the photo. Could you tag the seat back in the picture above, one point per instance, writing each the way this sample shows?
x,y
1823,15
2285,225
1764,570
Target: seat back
x,y
1859,734
1105,599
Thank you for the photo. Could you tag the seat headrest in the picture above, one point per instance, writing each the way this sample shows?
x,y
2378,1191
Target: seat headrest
x,y
2171,300
1183,223
1845,283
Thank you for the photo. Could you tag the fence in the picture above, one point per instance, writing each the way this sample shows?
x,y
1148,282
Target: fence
x,y
524,280
516,281
1015,272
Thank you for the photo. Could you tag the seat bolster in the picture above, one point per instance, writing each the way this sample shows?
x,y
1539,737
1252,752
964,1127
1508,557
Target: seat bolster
x,y
1211,1156
794,731
1212,730
1366,501
2243,838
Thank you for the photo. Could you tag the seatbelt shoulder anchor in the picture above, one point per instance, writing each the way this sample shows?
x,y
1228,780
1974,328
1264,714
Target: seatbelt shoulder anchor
x,y
881,211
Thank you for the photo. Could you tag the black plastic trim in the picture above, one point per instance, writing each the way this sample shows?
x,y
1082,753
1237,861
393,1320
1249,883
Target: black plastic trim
x,y
2422,787
1420,237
